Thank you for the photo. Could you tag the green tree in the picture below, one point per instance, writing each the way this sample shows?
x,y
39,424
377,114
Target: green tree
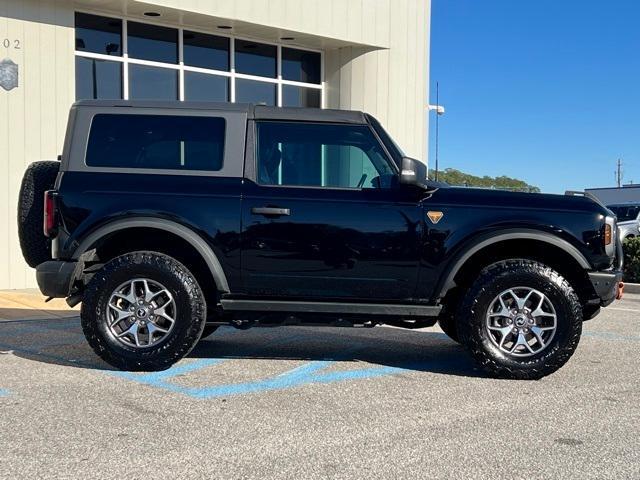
x,y
458,178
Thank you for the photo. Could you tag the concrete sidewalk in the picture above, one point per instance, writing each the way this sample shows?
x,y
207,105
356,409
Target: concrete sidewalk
x,y
30,305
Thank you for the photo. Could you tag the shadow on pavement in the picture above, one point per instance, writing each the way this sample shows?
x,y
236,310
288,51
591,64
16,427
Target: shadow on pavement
x,y
61,342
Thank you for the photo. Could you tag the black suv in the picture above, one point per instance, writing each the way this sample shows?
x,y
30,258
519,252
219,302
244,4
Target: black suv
x,y
168,220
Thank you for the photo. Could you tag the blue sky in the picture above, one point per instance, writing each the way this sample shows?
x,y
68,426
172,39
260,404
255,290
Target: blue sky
x,y
543,90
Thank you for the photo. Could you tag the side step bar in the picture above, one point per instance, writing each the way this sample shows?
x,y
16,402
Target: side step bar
x,y
269,306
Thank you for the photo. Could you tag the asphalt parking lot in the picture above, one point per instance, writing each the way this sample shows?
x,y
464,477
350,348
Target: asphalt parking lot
x,y
306,403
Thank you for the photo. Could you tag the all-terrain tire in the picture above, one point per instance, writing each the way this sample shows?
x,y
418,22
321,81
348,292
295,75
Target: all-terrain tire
x,y
38,178
189,320
509,274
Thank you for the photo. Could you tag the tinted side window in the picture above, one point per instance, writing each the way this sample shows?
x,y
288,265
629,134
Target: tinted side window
x,y
321,155
156,142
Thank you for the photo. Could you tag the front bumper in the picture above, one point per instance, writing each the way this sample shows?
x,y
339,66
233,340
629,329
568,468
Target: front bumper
x,y
607,285
56,278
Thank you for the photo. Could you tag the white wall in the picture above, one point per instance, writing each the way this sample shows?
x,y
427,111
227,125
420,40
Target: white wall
x,y
376,60
389,83
33,116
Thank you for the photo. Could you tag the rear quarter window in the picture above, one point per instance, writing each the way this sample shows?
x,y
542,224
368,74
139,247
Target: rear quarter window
x,y
160,142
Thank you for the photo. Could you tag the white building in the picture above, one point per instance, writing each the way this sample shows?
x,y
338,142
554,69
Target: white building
x,y
369,55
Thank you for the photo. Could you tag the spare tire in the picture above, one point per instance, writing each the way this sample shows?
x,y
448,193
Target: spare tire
x,y
39,177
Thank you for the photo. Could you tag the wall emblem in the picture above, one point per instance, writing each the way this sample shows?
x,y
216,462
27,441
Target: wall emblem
x,y
8,74
435,217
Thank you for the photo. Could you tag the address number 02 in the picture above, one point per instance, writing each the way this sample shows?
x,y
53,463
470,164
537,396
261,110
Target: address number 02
x,y
8,43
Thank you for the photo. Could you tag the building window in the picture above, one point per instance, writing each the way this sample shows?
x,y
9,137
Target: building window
x,y
204,87
96,78
98,34
251,91
206,51
128,59
152,83
293,96
150,42
301,65
256,59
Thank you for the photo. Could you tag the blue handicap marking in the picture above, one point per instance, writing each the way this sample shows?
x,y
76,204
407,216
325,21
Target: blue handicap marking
x,y
3,392
310,372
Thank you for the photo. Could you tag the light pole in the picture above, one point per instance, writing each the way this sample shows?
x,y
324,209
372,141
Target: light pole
x,y
439,109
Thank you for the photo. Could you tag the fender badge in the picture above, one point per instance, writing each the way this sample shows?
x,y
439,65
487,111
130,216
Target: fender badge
x,y
435,217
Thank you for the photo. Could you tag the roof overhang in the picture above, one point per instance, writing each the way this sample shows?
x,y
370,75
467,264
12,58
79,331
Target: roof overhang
x,y
211,15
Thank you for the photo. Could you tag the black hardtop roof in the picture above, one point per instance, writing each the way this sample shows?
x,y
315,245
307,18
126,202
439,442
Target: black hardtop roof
x,y
259,112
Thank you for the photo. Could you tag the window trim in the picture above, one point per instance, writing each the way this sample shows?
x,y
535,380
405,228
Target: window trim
x,y
181,67
252,173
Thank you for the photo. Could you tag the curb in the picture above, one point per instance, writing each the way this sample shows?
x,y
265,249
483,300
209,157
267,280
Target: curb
x,y
631,287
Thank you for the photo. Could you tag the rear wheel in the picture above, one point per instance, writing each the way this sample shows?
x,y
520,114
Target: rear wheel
x,y
143,311
520,319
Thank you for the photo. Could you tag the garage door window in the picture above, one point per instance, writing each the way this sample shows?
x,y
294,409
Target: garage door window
x,y
130,59
167,142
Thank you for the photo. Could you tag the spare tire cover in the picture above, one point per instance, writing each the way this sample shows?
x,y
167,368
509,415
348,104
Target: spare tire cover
x,y
38,178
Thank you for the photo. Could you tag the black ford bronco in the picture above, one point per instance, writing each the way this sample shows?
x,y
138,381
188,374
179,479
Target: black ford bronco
x,y
169,220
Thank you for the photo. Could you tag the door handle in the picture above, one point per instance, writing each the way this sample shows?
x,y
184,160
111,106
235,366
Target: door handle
x,y
271,211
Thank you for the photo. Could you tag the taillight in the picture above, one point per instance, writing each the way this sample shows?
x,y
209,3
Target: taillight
x,y
50,221
608,234
609,237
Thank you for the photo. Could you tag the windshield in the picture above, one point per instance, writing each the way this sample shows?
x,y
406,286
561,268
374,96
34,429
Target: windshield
x,y
393,148
625,212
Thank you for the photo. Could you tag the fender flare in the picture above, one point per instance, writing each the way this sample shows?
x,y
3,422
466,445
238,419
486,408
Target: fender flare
x,y
195,240
475,245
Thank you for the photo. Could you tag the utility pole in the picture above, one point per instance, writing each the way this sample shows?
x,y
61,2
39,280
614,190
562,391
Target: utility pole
x,y
437,129
618,173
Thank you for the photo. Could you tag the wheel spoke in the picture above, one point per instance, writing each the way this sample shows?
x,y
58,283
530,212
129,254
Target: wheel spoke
x,y
541,313
521,340
120,315
162,311
153,328
505,332
527,296
519,301
133,331
503,312
537,332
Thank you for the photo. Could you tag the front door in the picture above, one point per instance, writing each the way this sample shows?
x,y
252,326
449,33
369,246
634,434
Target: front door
x,y
325,217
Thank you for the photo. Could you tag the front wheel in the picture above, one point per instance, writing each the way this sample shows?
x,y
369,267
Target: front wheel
x,y
143,311
520,319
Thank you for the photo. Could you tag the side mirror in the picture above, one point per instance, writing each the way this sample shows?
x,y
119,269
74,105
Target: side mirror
x,y
413,172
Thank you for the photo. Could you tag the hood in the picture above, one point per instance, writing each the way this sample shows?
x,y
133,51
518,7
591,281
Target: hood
x,y
479,197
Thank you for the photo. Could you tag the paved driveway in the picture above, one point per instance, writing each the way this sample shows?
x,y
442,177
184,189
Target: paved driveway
x,y
306,403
